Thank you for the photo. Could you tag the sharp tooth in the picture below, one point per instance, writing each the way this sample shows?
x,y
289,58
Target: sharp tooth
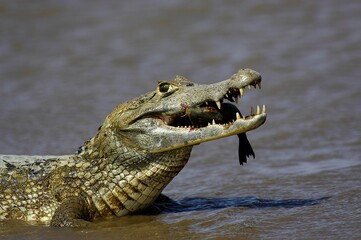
x,y
249,87
207,103
264,109
258,110
213,122
226,95
238,116
241,92
244,117
218,104
209,124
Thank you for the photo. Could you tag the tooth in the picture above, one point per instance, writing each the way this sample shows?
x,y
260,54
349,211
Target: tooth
x,y
218,104
241,92
213,122
264,109
249,87
236,99
207,103
209,124
226,95
258,110
238,116
244,117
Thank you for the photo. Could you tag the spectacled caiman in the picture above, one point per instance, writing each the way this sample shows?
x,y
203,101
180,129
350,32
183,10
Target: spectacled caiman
x,y
141,146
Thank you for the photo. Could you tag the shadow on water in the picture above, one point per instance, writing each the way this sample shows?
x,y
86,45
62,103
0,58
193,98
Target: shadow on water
x,y
166,205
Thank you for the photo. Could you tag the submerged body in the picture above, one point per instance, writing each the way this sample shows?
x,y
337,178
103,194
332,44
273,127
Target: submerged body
x,y
142,145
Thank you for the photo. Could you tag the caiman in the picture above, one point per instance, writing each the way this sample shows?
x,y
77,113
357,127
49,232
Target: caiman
x,y
141,146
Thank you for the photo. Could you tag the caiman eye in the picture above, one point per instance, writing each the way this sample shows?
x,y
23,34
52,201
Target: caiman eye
x,y
164,87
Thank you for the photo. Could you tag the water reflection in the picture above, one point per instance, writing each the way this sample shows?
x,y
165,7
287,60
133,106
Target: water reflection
x,y
167,205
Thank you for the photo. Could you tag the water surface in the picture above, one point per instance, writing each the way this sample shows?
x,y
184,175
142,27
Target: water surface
x,y
65,64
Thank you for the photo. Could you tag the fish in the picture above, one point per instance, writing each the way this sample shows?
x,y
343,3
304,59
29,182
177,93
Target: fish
x,y
202,115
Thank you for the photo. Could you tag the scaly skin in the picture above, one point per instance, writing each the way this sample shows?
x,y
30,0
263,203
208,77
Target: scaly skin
x,y
140,148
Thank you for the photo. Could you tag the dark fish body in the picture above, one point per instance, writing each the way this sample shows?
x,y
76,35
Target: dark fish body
x,y
200,116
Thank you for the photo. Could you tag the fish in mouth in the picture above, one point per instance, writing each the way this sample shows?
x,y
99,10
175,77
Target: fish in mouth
x,y
201,115
219,112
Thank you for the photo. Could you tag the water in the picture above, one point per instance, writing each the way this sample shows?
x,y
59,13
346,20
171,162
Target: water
x,y
65,64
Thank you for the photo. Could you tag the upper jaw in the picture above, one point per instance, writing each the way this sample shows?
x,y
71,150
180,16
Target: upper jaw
x,y
190,96
205,105
230,89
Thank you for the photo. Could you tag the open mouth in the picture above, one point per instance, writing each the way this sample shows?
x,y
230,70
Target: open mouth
x,y
210,112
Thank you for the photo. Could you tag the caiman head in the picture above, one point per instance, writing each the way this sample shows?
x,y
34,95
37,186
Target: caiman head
x,y
180,113
145,142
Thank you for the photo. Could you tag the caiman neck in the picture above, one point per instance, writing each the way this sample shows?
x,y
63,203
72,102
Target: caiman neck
x,y
130,179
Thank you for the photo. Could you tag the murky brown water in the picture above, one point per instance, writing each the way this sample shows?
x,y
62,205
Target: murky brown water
x,y
65,64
